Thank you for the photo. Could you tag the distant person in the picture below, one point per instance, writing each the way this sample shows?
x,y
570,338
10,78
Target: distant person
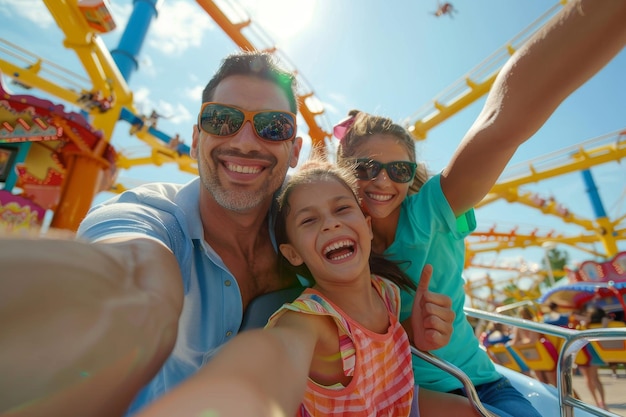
x,y
496,333
445,9
554,317
594,316
523,336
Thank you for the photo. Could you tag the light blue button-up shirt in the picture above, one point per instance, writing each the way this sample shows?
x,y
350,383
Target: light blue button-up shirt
x,y
212,309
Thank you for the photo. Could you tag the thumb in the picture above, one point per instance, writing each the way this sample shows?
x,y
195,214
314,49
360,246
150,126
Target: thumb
x,y
427,272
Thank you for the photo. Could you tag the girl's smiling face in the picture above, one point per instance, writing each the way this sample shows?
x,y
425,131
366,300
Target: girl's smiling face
x,y
328,232
381,196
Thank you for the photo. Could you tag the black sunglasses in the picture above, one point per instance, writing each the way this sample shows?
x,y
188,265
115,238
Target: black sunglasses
x,y
397,171
271,125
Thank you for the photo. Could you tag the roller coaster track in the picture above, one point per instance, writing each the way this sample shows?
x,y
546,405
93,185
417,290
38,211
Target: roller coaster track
x,y
30,71
604,149
104,77
233,20
241,31
474,84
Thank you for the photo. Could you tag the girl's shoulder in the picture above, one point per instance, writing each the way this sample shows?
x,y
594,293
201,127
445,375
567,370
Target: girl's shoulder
x,y
389,292
311,302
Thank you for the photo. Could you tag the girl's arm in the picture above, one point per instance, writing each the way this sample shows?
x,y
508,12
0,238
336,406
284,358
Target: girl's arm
x,y
260,372
557,60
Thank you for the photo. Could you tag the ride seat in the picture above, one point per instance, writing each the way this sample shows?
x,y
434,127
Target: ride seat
x,y
584,355
610,350
538,356
504,355
261,308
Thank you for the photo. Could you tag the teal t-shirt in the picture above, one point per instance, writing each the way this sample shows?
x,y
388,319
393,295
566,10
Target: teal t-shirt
x,y
428,233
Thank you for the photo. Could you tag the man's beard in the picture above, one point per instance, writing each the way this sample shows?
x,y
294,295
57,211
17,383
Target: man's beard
x,y
240,200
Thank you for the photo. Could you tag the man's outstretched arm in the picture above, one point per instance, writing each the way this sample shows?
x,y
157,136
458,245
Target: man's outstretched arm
x,y
84,325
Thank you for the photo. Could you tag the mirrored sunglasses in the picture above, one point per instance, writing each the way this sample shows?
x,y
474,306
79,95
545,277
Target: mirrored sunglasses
x,y
271,125
397,171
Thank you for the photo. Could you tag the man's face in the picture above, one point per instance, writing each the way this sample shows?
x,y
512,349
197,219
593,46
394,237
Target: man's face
x,y
242,171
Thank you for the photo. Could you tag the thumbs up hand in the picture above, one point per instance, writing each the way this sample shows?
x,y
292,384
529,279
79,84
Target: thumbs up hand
x,y
432,316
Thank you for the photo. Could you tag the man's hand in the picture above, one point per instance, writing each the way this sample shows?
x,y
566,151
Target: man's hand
x,y
432,317
106,312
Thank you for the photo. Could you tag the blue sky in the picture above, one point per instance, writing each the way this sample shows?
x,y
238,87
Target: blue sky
x,y
391,58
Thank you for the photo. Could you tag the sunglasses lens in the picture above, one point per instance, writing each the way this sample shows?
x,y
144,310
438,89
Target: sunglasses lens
x,y
221,120
274,126
366,170
397,171
401,171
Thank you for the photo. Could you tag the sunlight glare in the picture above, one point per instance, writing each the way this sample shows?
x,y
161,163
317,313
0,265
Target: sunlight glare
x,y
282,19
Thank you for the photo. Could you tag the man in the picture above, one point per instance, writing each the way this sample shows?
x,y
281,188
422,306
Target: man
x,y
125,290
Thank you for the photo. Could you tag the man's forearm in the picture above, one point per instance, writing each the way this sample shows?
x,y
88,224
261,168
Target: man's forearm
x,y
80,318
259,372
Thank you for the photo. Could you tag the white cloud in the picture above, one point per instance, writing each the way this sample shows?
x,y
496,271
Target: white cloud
x,y
141,100
180,25
174,113
121,12
194,93
341,101
147,67
33,10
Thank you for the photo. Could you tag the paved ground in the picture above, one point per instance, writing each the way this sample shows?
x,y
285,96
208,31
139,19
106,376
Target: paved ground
x,y
614,390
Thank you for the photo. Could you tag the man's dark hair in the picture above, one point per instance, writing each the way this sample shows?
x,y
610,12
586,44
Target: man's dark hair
x,y
256,64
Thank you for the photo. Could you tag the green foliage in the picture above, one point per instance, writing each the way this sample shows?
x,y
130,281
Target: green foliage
x,y
558,259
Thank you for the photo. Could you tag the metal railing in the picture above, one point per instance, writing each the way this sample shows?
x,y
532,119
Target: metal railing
x,y
444,365
574,340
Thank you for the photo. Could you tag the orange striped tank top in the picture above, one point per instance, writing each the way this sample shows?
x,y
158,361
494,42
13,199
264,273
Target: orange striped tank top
x,y
380,364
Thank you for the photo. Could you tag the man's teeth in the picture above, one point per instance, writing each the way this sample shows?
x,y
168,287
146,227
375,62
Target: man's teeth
x,y
243,169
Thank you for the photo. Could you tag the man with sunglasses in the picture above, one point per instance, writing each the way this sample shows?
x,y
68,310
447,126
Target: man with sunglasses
x,y
172,269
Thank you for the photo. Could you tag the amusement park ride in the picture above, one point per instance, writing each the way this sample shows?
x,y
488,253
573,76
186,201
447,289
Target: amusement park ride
x,y
56,161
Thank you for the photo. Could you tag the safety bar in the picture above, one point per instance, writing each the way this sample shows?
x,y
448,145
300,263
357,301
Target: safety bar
x,y
574,341
446,366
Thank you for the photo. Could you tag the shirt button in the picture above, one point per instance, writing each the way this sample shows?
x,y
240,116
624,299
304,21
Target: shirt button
x,y
227,283
229,333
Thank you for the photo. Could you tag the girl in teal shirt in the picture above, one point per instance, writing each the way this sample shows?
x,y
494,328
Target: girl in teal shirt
x,y
424,221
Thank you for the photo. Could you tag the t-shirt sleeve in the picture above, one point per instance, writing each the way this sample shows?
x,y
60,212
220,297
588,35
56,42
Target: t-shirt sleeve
x,y
431,203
